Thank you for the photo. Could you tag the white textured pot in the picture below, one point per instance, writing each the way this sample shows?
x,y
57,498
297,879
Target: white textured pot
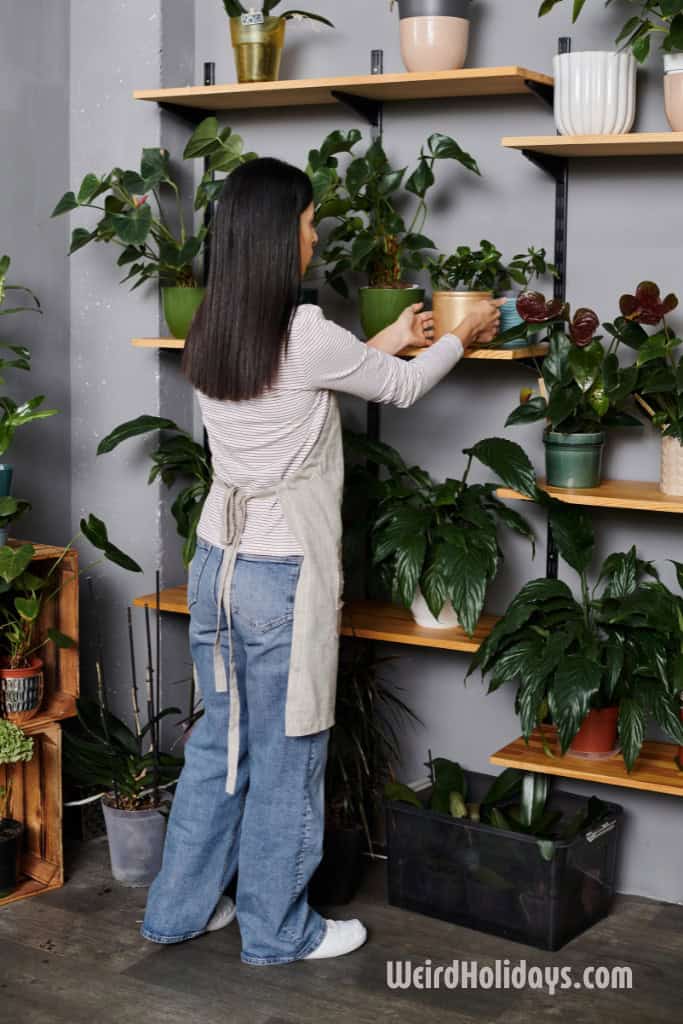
x,y
671,476
673,90
595,92
422,615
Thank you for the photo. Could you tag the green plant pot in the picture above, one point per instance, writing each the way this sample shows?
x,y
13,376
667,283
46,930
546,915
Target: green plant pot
x,y
379,307
180,305
573,460
5,480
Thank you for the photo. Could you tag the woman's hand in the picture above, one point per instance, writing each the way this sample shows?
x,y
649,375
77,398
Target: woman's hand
x,y
482,324
413,328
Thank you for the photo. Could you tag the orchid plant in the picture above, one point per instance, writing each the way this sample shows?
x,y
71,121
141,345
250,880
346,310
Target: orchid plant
x,y
652,18
235,9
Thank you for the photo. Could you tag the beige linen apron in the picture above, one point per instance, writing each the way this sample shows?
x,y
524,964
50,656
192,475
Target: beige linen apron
x,y
311,502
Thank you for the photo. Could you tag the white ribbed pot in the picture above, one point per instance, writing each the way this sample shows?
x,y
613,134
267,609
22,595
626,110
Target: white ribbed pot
x,y
673,90
595,92
671,475
448,619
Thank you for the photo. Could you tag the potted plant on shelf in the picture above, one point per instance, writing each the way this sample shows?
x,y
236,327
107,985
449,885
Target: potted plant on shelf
x,y
658,386
363,750
258,38
601,665
434,33
585,387
135,215
436,545
15,748
371,237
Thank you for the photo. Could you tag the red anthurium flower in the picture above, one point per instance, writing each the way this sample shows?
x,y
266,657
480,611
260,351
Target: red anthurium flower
x,y
583,327
139,201
647,305
535,309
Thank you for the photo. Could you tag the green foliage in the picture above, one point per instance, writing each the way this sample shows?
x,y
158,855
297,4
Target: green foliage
x,y
620,644
369,234
235,9
5,263
483,270
14,748
11,509
176,457
652,17
442,537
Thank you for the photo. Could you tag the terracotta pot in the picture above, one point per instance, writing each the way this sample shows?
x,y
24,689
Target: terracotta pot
x,y
598,734
21,692
673,90
451,308
671,474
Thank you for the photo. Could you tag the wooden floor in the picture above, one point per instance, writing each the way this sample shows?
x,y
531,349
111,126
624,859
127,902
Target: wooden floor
x,y
75,956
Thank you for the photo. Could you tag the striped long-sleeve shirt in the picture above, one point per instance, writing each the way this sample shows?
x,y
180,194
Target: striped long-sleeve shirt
x,y
259,442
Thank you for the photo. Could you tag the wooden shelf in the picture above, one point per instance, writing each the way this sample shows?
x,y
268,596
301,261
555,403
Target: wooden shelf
x,y
656,769
636,144
171,343
56,708
369,620
501,81
643,495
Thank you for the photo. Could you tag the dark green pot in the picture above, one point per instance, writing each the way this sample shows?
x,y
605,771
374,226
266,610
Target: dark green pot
x,y
573,460
180,305
379,307
5,480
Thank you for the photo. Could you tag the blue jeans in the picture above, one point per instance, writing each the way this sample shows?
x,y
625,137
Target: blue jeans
x,y
271,829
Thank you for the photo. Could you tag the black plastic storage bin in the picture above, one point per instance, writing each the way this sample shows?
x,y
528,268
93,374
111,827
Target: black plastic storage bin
x,y
498,881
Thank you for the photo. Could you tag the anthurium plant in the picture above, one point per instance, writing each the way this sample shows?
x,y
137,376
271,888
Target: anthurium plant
x,y
369,234
651,19
235,9
440,537
620,643
586,387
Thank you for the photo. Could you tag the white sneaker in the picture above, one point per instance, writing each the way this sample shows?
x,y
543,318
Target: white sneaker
x,y
341,937
223,914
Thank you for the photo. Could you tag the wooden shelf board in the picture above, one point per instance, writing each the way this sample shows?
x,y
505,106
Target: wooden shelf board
x,y
27,887
500,81
59,706
656,769
643,495
635,144
173,343
506,354
370,620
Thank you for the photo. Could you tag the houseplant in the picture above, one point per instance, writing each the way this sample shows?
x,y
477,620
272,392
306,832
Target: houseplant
x,y
659,385
585,387
15,747
601,664
436,545
142,213
10,510
177,457
363,750
34,304
371,237
258,38
434,33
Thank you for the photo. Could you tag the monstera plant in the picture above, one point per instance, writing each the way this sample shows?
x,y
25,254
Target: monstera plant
x,y
649,19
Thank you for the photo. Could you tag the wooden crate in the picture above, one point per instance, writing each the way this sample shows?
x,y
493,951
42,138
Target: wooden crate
x,y
37,802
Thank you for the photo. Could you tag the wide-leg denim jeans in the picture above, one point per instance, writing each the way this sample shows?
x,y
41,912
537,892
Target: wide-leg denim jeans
x,y
271,829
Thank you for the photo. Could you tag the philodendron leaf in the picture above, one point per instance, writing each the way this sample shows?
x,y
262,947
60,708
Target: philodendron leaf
x,y
508,461
13,561
60,639
96,532
27,607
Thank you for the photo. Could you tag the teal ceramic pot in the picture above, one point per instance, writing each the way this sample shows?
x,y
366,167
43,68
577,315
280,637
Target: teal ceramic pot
x,y
379,307
5,480
573,460
180,306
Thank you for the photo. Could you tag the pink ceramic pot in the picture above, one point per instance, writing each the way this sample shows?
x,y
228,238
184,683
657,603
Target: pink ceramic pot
x,y
434,34
673,90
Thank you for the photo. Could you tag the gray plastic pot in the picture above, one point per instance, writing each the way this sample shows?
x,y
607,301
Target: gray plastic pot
x,y
136,844
434,8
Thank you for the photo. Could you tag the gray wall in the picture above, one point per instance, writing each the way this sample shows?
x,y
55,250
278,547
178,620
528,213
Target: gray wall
x,y
618,214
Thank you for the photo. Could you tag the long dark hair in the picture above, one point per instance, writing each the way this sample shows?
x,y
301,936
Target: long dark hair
x,y
234,347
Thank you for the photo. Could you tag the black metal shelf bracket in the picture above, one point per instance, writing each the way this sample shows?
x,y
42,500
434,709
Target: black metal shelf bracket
x,y
555,166
369,110
193,115
545,93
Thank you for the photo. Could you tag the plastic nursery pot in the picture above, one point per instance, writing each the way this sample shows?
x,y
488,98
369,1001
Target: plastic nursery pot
x,y
595,92
136,843
257,48
451,308
21,691
5,480
597,736
573,460
379,307
671,474
434,34
10,844
448,619
673,90
338,876
180,306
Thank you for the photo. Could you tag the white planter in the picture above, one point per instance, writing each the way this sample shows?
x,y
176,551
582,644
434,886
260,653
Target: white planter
x,y
595,92
671,476
422,615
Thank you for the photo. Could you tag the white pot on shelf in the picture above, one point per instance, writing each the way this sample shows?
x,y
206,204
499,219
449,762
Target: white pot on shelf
x,y
448,619
595,92
671,475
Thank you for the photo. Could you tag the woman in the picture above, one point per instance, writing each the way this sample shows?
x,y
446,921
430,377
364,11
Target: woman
x,y
264,587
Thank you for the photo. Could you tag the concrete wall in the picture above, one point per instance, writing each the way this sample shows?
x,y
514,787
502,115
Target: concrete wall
x,y
618,236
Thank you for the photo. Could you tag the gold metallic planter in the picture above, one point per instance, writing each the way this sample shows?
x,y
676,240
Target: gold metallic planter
x,y
451,308
258,49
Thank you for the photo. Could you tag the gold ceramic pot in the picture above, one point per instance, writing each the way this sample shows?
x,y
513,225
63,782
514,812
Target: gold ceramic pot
x,y
258,49
451,308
